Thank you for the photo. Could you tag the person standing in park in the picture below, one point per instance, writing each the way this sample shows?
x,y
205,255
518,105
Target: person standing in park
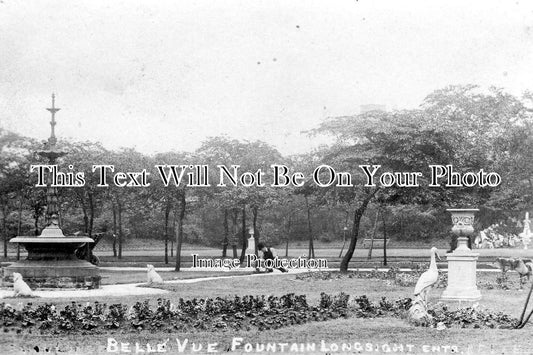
x,y
268,253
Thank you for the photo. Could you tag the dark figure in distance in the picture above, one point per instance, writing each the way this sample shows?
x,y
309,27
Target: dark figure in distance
x,y
269,254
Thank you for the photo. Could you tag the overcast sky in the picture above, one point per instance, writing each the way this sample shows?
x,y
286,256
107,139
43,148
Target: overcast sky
x,y
163,75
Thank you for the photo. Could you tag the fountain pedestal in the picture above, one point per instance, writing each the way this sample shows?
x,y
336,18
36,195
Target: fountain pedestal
x,y
51,262
462,263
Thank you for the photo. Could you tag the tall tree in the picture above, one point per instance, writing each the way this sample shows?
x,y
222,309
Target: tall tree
x,y
174,194
456,125
251,158
89,197
123,198
15,158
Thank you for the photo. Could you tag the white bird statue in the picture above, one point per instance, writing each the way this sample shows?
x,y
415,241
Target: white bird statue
x,y
418,311
428,278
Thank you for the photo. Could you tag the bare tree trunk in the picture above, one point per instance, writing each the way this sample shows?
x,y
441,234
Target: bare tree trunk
x,y
120,236
344,233
60,217
4,227
174,222
36,220
179,234
358,213
19,222
234,237
384,237
310,231
402,233
167,213
373,236
113,207
289,223
255,214
243,235
19,225
85,216
91,214
226,232
5,237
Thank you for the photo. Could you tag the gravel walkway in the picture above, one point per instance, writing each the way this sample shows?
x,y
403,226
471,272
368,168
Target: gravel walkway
x,y
126,289
134,290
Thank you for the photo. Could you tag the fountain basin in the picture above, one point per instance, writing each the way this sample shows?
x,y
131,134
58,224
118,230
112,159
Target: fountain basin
x,y
51,263
40,248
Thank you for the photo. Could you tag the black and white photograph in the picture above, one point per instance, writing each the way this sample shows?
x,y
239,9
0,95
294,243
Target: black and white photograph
x,y
266,177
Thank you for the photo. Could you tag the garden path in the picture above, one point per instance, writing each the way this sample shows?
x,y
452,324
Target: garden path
x,y
134,289
127,289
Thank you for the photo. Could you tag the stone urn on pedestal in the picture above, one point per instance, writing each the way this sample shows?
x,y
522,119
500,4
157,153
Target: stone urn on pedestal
x,y
462,262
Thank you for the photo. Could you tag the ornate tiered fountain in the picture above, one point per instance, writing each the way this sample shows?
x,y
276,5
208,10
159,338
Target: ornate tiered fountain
x,y
51,261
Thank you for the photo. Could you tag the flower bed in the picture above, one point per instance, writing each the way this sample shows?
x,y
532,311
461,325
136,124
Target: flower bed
x,y
394,276
442,317
238,313
470,317
209,314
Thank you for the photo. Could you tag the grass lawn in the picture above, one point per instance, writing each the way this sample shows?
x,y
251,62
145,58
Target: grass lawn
x,y
378,334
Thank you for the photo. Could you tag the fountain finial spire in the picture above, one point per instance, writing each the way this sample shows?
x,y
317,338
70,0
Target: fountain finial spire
x,y
53,140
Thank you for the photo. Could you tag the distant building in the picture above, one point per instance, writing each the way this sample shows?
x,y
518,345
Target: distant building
x,y
372,107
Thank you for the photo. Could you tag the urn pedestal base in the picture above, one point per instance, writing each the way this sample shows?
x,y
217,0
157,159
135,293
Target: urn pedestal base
x,y
461,277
